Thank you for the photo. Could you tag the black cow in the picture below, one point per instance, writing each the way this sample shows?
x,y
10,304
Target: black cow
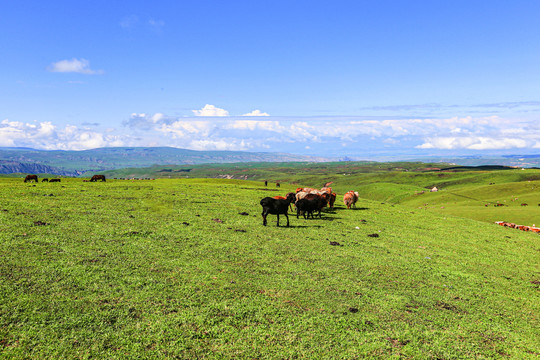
x,y
311,203
276,207
29,178
97,178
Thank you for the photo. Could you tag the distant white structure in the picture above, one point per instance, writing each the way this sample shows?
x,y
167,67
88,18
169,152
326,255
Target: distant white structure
x,y
434,189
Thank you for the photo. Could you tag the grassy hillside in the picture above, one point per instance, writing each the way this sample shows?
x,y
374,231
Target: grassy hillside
x,y
478,202
291,172
463,192
175,269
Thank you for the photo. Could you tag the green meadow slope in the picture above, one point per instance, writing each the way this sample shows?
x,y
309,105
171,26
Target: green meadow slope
x,y
463,192
183,268
290,172
469,194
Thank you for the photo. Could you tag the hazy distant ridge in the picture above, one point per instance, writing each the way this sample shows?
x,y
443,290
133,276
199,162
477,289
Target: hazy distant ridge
x,y
61,162
10,167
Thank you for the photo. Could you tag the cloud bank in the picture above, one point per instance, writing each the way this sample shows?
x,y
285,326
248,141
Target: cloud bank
x,y
213,128
45,135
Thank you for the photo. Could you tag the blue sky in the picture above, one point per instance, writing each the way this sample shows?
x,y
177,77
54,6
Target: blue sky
x,y
343,78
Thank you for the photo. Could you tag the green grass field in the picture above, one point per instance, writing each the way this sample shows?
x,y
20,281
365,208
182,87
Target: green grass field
x,y
463,192
173,269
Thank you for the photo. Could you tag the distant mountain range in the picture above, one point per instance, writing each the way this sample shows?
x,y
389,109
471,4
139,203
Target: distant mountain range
x,y
75,163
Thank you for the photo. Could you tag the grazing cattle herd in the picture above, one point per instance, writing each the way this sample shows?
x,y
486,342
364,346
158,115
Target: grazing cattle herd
x,y
308,202
34,178
95,178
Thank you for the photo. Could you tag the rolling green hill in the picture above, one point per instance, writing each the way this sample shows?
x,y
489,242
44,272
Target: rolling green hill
x,y
183,268
462,191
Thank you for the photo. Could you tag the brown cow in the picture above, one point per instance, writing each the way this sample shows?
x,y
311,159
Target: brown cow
x,y
332,200
97,178
54,180
311,203
350,199
29,178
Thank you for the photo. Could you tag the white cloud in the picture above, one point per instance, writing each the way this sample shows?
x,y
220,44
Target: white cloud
x,y
81,66
139,121
187,128
485,143
391,141
219,144
268,129
75,139
302,131
257,113
327,135
211,110
255,125
14,132
157,117
473,143
45,135
147,122
487,133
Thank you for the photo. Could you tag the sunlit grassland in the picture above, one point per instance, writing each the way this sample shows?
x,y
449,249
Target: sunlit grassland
x,y
521,201
462,193
175,269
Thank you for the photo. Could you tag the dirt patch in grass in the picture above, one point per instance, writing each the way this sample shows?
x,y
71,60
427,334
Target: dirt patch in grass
x,y
446,306
397,343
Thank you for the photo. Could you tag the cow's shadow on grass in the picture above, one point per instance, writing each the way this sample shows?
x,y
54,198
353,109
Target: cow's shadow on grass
x,y
324,218
353,209
292,226
328,218
303,226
